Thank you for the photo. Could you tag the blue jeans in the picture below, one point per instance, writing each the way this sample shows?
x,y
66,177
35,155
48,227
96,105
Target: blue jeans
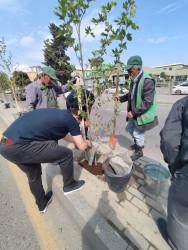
x,y
135,133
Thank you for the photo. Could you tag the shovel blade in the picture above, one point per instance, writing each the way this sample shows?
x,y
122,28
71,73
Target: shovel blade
x,y
112,142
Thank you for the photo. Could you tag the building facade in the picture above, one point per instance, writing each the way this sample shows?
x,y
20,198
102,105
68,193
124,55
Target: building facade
x,y
177,72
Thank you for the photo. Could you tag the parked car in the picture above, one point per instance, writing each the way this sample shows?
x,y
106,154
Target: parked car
x,y
112,90
20,94
180,89
177,83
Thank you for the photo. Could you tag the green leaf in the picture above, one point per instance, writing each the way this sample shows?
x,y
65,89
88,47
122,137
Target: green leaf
x,y
77,47
129,37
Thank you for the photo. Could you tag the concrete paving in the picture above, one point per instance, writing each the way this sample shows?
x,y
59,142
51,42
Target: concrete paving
x,y
109,220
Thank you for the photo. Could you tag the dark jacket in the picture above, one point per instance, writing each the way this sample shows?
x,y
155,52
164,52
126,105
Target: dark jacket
x,y
72,101
147,101
174,136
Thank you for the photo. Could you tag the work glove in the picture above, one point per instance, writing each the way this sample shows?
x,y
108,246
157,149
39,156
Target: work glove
x,y
73,80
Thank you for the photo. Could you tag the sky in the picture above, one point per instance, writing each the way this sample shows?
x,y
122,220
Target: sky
x,y
162,36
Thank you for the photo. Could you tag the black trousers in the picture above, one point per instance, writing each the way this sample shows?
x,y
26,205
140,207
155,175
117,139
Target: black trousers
x,y
28,157
177,218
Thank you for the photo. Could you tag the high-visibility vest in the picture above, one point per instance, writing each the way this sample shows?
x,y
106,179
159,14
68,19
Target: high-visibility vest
x,y
150,114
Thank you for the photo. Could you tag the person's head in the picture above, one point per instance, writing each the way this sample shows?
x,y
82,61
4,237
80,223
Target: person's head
x,y
48,75
134,66
75,114
77,76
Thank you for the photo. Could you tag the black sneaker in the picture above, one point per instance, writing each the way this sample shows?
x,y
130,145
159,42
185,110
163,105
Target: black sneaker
x,y
133,147
48,200
138,153
78,185
162,226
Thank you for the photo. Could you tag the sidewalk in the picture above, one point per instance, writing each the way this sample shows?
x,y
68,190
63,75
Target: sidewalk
x,y
108,220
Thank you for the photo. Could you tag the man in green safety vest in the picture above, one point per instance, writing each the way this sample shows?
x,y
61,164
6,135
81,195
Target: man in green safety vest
x,y
141,108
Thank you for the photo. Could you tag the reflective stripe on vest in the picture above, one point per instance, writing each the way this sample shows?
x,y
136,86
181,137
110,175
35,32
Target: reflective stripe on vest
x,y
149,115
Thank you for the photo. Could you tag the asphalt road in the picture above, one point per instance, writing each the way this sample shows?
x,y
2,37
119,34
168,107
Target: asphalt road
x,y
16,231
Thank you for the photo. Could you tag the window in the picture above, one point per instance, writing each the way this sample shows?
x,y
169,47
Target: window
x,y
170,68
89,81
121,80
181,78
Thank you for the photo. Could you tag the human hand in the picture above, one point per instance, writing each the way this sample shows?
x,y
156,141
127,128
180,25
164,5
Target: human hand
x,y
86,124
89,143
130,115
73,80
116,98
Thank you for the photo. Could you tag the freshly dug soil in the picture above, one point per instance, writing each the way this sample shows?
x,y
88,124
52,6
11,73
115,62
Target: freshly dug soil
x,y
95,169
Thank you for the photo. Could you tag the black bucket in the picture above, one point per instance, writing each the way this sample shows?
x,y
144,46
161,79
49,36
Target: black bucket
x,y
116,183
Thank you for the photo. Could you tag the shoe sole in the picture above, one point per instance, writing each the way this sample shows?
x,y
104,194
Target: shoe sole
x,y
66,193
136,158
43,211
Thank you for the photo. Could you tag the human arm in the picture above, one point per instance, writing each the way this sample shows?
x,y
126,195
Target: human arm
x,y
78,141
171,136
64,88
147,98
31,97
61,89
122,98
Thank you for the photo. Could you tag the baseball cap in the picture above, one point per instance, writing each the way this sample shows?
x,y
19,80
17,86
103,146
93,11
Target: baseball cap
x,y
134,60
50,72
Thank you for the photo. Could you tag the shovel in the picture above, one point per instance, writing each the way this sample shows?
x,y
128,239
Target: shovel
x,y
112,137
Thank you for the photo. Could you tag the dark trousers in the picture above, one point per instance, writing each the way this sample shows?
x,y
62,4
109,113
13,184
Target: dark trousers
x,y
177,219
28,157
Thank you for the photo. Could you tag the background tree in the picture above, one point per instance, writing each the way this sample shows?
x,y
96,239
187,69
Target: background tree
x,y
55,54
165,76
4,81
5,64
20,78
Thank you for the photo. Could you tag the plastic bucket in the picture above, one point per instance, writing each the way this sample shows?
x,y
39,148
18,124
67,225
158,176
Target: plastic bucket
x,y
155,177
116,183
